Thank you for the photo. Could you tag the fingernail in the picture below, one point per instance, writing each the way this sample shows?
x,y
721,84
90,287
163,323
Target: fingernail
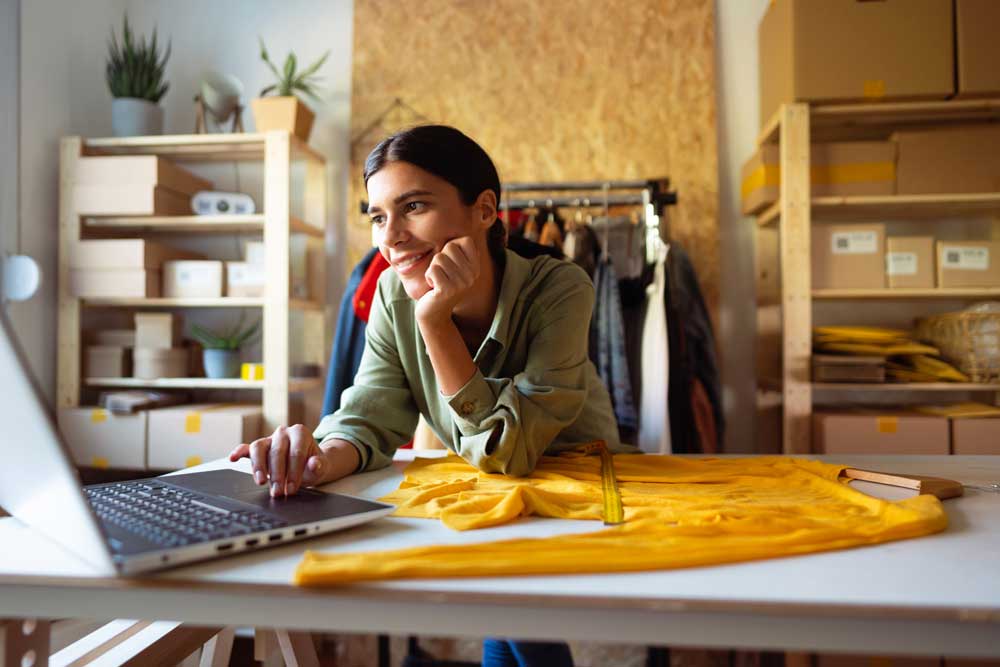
x,y
259,476
274,489
289,488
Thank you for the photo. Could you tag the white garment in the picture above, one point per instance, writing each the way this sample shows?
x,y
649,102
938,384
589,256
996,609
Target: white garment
x,y
654,413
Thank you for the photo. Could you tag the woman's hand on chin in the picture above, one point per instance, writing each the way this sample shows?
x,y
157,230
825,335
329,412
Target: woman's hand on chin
x,y
452,273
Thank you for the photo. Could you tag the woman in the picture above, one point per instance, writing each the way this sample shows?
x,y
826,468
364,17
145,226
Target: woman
x,y
490,347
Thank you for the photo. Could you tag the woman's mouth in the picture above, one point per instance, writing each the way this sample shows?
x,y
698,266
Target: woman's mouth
x,y
412,263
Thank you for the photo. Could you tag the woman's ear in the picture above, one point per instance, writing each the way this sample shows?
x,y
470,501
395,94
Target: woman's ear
x,y
486,206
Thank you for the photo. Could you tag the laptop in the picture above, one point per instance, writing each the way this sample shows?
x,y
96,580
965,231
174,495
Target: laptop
x,y
129,527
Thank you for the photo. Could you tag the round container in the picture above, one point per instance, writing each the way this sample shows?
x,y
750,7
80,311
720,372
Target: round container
x,y
221,364
132,117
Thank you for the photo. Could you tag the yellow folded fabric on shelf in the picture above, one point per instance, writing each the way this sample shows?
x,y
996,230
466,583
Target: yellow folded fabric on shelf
x,y
679,512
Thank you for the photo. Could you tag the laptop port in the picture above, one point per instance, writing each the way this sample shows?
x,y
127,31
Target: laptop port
x,y
274,538
252,542
226,546
300,532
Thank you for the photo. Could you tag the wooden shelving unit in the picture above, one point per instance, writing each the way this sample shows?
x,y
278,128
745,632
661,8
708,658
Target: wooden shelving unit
x,y
276,151
785,297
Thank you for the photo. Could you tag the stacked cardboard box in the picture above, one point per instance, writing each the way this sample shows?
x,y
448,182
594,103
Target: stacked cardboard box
x,y
188,435
157,353
909,261
130,185
99,439
864,431
120,267
848,256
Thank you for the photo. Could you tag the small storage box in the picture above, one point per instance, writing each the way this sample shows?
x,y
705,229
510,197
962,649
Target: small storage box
x,y
193,279
111,200
114,283
185,436
124,254
244,279
149,170
105,361
100,439
871,432
968,263
909,261
156,330
114,337
978,49
150,364
848,256
948,160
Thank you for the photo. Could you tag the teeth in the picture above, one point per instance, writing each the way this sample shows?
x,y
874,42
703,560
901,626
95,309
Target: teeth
x,y
410,262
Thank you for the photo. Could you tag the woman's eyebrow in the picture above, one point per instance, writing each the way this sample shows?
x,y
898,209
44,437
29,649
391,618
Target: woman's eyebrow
x,y
401,198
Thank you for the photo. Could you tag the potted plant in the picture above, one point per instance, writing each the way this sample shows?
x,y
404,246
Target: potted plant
x,y
221,355
134,73
285,111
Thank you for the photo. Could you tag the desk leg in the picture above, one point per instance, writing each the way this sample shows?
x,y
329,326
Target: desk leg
x,y
24,643
297,648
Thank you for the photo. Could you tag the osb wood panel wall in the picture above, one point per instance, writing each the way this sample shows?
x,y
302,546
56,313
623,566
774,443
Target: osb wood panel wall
x,y
556,90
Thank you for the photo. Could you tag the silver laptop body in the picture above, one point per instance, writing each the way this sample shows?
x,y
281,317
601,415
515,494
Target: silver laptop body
x,y
150,524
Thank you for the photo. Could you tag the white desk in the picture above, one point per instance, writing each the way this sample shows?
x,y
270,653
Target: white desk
x,y
938,595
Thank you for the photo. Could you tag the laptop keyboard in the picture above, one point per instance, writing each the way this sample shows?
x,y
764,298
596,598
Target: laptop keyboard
x,y
172,517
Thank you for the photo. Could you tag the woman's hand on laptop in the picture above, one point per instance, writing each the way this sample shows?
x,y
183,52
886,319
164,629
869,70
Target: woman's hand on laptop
x,y
290,458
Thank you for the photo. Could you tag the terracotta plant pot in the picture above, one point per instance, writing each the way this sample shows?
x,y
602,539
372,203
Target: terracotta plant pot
x,y
283,113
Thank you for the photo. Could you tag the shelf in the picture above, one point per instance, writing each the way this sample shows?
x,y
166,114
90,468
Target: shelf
x,y
222,302
197,147
894,206
891,115
909,293
192,224
907,386
294,384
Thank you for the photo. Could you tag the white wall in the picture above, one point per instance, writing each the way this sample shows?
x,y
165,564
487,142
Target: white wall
x,y
738,123
9,58
63,49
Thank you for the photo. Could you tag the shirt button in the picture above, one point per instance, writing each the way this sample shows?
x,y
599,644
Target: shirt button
x,y
467,408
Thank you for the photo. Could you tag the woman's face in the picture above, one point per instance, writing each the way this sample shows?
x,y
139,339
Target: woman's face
x,y
414,214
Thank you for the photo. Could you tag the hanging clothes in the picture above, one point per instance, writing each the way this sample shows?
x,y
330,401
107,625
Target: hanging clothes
x,y
582,247
654,418
678,513
349,341
696,427
607,342
551,234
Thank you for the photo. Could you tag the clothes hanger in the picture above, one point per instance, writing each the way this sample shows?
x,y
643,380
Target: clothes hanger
x,y
935,486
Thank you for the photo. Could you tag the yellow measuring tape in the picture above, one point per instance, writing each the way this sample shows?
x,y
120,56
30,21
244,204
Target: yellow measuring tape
x,y
612,511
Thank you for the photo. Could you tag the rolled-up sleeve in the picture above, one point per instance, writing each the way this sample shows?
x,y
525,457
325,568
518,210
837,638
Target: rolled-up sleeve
x,y
378,412
505,424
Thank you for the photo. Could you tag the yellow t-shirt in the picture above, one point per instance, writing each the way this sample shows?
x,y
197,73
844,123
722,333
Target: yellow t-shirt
x,y
679,512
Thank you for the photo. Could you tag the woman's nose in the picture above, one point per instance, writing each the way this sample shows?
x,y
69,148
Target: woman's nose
x,y
394,230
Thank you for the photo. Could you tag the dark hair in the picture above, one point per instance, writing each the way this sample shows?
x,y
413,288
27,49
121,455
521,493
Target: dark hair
x,y
452,156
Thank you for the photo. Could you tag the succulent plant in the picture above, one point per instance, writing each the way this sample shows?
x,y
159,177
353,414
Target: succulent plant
x,y
135,66
232,338
290,81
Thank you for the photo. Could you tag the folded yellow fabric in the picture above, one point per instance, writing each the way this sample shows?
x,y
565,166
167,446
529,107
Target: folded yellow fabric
x,y
679,512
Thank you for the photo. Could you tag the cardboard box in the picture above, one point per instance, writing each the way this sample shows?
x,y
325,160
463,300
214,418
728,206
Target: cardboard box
x,y
114,337
244,279
114,283
156,330
948,161
120,170
977,48
909,261
185,436
100,439
968,263
107,361
975,435
124,254
254,252
98,200
153,363
838,169
873,432
193,279
848,256
844,50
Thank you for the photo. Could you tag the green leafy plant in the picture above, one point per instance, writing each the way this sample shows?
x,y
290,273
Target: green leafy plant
x,y
232,338
135,66
289,80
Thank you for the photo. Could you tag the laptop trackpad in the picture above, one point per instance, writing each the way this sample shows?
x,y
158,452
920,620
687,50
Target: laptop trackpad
x,y
305,506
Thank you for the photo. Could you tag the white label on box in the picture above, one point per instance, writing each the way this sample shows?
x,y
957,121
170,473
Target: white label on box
x,y
969,259
854,243
242,274
186,277
901,263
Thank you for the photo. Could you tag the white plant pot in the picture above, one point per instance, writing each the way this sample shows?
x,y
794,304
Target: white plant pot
x,y
132,117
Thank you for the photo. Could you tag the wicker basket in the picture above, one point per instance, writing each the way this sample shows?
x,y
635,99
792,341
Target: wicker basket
x,y
969,340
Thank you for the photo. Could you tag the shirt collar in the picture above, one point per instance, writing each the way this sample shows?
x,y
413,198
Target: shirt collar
x,y
516,270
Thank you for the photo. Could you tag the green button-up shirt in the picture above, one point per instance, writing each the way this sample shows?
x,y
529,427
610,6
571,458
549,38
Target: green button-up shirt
x,y
535,389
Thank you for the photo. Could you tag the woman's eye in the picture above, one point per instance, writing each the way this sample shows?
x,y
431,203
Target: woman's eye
x,y
378,219
415,205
